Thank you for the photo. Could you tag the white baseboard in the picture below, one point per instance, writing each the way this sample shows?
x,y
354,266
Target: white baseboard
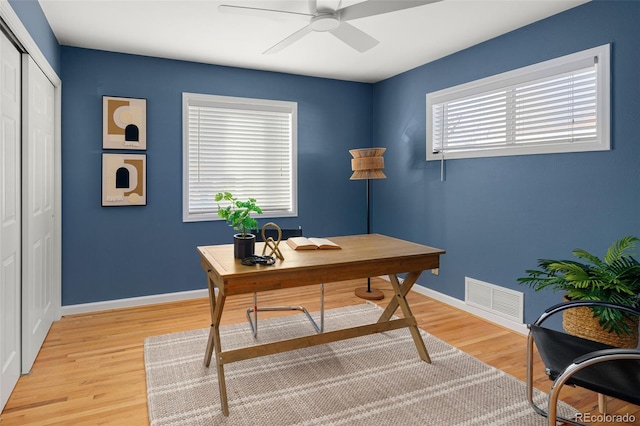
x,y
196,294
107,305
459,304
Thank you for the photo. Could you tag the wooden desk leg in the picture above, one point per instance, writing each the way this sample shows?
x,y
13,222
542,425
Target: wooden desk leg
x,y
602,403
411,278
209,352
215,330
222,384
214,345
400,292
212,308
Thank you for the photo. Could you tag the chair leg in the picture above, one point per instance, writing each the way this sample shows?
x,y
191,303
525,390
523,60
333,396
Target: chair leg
x,y
553,394
254,310
530,376
253,323
255,313
321,307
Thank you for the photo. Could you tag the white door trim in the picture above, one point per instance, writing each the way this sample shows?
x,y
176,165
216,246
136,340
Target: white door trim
x,y
21,34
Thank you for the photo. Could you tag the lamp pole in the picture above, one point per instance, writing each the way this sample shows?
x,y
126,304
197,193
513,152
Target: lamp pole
x,y
368,208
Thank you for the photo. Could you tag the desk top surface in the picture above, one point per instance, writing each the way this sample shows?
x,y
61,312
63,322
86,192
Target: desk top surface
x,y
360,256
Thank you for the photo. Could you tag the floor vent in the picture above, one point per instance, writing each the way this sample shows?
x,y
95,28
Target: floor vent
x,y
498,300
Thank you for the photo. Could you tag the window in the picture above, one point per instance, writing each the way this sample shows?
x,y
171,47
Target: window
x,y
561,105
240,145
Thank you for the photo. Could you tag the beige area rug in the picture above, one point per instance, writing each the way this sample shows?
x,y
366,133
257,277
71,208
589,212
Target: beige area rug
x,y
372,380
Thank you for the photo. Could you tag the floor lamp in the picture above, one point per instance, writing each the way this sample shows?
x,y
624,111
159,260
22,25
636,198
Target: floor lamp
x,y
367,164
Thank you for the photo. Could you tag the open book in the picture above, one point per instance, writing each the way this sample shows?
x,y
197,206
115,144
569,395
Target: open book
x,y
304,243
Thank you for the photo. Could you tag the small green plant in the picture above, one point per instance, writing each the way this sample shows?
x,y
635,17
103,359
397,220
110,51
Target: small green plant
x,y
238,213
616,279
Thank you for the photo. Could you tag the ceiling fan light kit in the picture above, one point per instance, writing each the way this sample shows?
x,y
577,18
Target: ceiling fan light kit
x,y
333,21
324,22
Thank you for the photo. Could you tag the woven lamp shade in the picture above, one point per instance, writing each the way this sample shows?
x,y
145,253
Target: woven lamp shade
x,y
367,163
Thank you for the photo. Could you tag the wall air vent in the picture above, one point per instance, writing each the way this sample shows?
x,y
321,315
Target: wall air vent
x,y
497,300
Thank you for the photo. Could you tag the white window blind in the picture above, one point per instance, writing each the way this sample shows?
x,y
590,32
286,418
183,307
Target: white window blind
x,y
238,145
560,105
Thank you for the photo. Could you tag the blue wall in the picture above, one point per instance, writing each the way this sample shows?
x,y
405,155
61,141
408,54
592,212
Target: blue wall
x,y
118,252
496,216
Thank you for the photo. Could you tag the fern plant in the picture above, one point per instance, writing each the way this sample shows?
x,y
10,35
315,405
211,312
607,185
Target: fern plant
x,y
615,278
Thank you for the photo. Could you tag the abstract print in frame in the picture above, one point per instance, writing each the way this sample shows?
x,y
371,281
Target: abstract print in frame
x,y
124,123
124,180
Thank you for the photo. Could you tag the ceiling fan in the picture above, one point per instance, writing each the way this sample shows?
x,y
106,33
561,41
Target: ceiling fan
x,y
331,21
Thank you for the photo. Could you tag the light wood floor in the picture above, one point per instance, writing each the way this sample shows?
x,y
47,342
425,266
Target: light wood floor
x,y
90,370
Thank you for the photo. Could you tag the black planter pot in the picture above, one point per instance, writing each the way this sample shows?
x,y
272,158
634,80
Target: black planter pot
x,y
243,247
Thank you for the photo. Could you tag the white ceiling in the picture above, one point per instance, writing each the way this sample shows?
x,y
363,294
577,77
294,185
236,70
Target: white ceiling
x,y
195,30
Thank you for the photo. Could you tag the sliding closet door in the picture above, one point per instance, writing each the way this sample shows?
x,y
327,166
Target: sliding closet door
x,y
38,211
10,218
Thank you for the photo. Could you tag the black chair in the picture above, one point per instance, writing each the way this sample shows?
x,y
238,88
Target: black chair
x,y
576,361
286,233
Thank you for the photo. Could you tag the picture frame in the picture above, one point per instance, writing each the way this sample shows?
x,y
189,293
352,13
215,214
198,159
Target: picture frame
x,y
124,179
124,123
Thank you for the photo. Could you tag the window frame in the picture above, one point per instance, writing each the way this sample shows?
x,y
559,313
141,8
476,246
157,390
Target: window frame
x,y
251,104
525,75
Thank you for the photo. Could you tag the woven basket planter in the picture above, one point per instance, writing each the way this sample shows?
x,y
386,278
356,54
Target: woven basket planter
x,y
581,322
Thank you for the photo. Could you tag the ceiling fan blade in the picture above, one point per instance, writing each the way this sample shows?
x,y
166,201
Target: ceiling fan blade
x,y
288,41
378,7
354,37
264,13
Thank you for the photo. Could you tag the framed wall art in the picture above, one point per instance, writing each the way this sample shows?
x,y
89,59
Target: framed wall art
x,y
124,123
124,181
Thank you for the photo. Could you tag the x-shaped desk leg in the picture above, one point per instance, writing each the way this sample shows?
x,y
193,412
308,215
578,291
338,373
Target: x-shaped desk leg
x,y
399,300
213,344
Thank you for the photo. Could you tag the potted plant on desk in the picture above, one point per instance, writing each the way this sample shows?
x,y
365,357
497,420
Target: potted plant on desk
x,y
238,215
615,278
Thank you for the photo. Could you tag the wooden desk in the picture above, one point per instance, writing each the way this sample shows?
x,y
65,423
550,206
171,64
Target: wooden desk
x,y
361,256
